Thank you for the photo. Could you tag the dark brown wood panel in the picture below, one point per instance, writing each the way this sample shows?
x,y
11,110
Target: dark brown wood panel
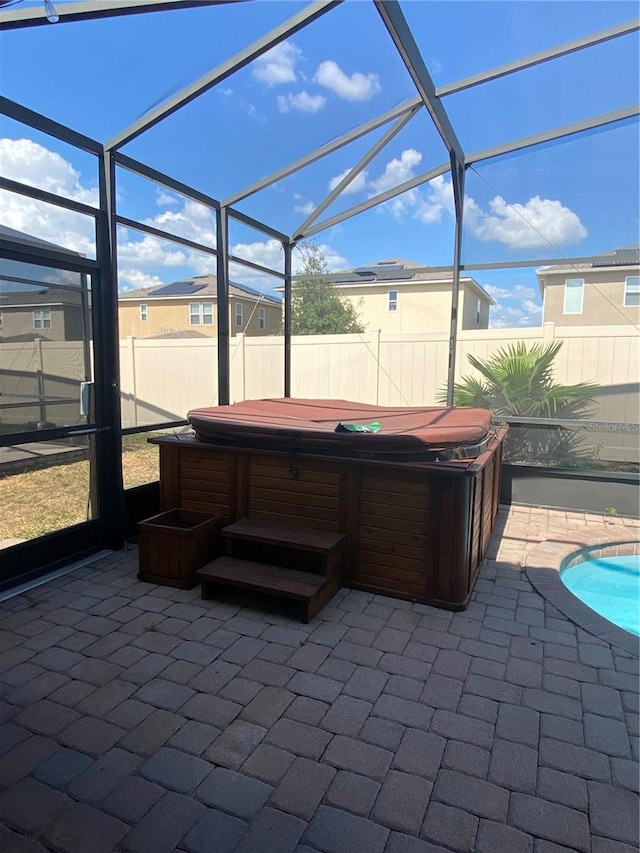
x,y
415,530
283,534
384,499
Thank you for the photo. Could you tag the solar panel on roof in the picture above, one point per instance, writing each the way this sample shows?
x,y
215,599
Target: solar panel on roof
x,y
342,277
620,257
376,268
394,276
178,288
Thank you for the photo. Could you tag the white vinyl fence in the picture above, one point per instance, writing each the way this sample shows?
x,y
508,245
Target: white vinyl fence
x,y
163,379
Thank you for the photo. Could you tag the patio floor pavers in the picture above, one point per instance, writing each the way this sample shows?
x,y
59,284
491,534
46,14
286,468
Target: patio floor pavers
x,y
141,718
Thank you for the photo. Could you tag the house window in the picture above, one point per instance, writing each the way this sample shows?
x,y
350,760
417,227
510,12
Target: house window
x,y
393,300
144,313
1,320
42,318
573,295
631,291
239,314
201,314
262,319
478,312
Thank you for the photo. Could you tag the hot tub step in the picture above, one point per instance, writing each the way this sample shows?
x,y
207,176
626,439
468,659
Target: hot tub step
x,y
312,590
271,532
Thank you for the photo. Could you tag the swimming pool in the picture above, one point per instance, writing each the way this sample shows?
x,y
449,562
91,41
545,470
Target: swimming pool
x,y
608,584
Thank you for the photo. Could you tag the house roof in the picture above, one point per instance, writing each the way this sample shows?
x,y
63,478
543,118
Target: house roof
x,y
196,288
399,272
29,239
627,256
46,298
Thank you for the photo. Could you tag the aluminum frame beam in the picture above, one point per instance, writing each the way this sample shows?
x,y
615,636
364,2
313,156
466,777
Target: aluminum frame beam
x,y
222,296
226,69
34,16
323,150
30,253
538,58
143,228
379,199
49,198
535,262
355,171
257,225
288,250
137,168
46,125
242,262
557,133
457,178
402,36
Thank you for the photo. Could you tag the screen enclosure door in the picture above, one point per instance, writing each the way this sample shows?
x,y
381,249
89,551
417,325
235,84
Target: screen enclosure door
x,y
54,423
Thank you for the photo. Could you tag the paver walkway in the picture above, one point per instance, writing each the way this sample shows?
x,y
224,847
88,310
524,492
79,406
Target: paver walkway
x,y
139,718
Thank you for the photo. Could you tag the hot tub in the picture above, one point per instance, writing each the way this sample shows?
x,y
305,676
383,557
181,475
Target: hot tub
x,y
417,499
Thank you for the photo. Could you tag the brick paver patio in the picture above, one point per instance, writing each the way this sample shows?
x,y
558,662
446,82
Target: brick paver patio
x,y
136,717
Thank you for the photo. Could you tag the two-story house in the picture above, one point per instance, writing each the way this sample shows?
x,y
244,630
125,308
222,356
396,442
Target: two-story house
x,y
189,308
602,292
38,302
396,295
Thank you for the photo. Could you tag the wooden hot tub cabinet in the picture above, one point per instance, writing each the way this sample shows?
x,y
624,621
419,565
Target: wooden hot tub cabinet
x,y
415,530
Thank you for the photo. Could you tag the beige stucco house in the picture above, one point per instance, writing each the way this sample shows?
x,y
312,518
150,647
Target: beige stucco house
x,y
603,292
39,303
401,296
49,314
189,309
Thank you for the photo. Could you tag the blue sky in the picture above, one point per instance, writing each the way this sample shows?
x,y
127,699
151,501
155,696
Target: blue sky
x,y
564,199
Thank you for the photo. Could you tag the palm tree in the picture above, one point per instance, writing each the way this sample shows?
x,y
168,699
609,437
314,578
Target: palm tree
x,y
518,380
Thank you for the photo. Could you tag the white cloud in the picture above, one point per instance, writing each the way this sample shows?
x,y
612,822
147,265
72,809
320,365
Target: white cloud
x,y
193,221
516,306
226,92
334,261
358,184
269,253
253,112
306,208
30,163
130,279
358,87
515,315
277,66
439,199
302,101
536,223
149,252
164,199
397,171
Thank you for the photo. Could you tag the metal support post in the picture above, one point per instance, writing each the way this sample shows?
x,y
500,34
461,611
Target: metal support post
x,y
222,275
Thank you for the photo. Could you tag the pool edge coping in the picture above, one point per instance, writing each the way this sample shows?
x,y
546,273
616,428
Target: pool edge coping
x,y
543,564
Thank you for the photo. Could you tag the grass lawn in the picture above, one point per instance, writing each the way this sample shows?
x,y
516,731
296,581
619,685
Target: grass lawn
x,y
47,499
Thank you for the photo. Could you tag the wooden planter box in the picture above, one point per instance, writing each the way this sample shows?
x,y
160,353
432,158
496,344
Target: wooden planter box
x,y
173,545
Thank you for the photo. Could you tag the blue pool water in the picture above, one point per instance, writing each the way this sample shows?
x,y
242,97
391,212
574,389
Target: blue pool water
x,y
610,586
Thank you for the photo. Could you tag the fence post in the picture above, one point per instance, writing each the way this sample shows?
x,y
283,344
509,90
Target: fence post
x,y
128,382
42,408
378,369
237,377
